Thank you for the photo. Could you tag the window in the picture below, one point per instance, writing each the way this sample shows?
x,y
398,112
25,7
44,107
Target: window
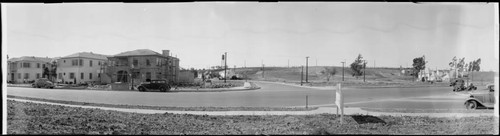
x,y
99,63
71,75
147,62
43,65
90,75
60,75
26,75
81,75
37,65
64,61
99,75
37,75
26,65
90,63
81,62
74,62
135,62
18,75
148,75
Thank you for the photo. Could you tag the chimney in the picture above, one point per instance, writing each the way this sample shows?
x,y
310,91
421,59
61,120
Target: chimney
x,y
165,53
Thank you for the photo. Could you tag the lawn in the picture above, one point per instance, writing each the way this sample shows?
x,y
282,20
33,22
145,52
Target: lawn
x,y
32,118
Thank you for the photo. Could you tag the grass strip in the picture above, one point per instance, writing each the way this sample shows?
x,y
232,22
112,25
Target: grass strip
x,y
168,108
34,118
402,110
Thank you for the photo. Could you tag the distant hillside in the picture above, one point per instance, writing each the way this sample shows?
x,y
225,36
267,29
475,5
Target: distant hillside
x,y
378,74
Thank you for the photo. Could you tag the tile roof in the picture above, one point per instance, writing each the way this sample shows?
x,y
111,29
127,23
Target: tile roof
x,y
32,58
87,55
138,52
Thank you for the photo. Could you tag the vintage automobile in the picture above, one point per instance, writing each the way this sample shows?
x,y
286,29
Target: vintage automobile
x,y
43,82
161,85
481,99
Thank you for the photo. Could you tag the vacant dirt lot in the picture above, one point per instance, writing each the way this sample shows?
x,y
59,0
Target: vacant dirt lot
x,y
31,118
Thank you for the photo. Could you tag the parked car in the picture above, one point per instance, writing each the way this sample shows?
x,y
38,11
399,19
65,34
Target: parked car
x,y
42,82
481,99
161,85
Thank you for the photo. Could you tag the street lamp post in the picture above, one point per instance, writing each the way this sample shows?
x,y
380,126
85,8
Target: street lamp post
x,y
301,74
307,61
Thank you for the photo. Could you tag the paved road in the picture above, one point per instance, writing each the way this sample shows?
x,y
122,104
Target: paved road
x,y
270,95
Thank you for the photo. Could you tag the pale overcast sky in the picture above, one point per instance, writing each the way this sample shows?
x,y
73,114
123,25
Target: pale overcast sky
x,y
392,34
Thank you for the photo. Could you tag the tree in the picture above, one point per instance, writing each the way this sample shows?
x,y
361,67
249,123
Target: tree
x,y
357,65
45,72
418,64
475,65
329,72
461,66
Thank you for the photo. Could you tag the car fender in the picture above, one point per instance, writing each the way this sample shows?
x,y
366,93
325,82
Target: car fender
x,y
143,87
474,99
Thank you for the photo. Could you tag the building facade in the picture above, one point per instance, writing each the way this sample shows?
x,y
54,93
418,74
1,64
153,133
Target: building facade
x,y
27,68
82,67
141,65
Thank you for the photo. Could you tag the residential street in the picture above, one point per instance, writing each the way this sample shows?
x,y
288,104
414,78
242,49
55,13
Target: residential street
x,y
270,95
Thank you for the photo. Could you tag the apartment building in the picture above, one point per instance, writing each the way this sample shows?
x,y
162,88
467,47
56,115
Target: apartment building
x,y
27,68
142,65
81,67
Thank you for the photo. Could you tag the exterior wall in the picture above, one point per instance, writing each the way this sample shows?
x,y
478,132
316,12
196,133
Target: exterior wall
x,y
157,68
65,67
16,69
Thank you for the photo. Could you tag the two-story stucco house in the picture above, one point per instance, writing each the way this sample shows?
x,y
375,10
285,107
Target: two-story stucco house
x,y
142,64
82,67
26,68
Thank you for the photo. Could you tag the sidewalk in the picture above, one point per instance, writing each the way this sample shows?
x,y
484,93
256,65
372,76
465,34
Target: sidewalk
x,y
320,110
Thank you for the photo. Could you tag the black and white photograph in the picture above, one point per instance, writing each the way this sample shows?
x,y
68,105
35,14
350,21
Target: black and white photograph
x,y
250,68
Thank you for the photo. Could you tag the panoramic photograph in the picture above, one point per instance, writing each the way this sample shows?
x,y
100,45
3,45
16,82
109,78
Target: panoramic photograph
x,y
250,68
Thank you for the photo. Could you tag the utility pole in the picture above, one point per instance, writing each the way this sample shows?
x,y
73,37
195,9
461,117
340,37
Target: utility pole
x,y
262,70
316,62
245,63
288,63
301,74
343,70
307,61
225,66
364,70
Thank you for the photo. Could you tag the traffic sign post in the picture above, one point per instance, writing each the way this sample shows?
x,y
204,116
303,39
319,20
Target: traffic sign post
x,y
339,101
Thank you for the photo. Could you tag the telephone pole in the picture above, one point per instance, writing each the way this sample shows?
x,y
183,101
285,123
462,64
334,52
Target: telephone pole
x,y
288,63
364,70
307,63
225,66
343,62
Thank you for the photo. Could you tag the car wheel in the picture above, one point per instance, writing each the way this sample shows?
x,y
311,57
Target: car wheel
x,y
471,105
163,89
142,89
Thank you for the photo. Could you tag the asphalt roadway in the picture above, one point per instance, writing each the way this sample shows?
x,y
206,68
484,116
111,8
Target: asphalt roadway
x,y
270,95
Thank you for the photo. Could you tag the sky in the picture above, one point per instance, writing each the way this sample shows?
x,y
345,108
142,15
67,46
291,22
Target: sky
x,y
253,33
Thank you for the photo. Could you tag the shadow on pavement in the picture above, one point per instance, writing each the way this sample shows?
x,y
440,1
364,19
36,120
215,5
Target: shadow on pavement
x,y
362,119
